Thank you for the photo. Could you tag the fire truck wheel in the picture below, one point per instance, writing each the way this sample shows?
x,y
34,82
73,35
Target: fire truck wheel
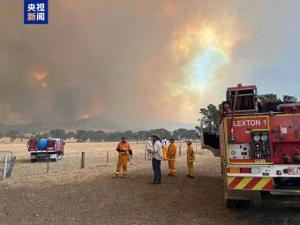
x,y
232,203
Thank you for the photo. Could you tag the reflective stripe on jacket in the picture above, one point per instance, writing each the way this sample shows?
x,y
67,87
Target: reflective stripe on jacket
x,y
124,148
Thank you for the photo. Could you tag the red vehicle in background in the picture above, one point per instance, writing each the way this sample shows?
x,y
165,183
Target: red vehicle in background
x,y
40,149
259,145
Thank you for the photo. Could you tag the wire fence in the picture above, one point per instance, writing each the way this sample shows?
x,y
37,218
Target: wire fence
x,y
89,159
69,162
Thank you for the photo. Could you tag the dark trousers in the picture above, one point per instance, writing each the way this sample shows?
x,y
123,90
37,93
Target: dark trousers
x,y
156,170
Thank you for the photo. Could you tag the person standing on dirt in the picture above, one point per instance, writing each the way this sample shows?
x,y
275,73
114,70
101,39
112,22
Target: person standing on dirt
x,y
171,156
190,160
157,156
124,150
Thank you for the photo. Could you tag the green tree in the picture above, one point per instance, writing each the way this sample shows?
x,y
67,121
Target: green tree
x,y
12,134
70,135
289,99
96,136
273,98
81,136
100,135
142,135
209,118
181,133
130,135
268,98
58,133
161,133
190,134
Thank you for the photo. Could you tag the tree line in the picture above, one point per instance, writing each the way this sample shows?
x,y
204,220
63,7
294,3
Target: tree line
x,y
99,135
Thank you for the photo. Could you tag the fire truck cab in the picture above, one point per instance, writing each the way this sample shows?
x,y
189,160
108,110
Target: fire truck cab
x,y
259,146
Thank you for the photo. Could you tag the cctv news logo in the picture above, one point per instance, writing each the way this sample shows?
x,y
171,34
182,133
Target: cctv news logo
x,y
35,11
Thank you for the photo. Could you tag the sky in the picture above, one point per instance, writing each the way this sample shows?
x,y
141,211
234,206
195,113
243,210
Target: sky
x,y
134,64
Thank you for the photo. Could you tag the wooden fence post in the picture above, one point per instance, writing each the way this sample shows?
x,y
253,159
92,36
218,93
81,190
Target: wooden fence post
x,y
107,158
82,160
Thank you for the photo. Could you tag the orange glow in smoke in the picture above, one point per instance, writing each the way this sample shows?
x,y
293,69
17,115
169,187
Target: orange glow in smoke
x,y
41,76
83,116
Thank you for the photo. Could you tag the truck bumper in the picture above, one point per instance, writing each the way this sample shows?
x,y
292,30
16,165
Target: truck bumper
x,y
43,155
254,188
250,183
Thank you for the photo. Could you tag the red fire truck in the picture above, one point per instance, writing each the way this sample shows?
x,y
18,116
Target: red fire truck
x,y
259,145
52,149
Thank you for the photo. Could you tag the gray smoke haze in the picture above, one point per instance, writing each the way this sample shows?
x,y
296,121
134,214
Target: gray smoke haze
x,y
113,63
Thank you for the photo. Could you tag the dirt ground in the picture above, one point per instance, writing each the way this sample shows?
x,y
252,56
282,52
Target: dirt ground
x,y
92,196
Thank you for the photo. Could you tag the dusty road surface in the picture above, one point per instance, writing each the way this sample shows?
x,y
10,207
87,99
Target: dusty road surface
x,y
92,196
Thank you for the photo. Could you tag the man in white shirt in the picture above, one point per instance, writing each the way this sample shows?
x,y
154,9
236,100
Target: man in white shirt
x,y
157,156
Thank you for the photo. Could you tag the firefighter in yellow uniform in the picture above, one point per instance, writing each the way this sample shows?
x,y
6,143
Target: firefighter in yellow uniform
x,y
164,147
190,160
171,156
124,150
164,150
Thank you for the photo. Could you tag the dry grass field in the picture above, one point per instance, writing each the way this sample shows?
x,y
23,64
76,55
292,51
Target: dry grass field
x,y
99,158
66,194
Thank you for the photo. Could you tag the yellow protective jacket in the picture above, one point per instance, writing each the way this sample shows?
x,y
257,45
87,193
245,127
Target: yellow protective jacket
x,y
190,154
171,153
124,148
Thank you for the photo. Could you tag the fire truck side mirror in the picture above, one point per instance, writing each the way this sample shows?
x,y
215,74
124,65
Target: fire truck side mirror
x,y
210,142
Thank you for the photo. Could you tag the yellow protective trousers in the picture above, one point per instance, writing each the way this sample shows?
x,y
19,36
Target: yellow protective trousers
x,y
172,166
190,166
164,150
122,163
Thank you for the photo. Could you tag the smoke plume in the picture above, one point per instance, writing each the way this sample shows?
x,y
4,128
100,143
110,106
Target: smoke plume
x,y
120,64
